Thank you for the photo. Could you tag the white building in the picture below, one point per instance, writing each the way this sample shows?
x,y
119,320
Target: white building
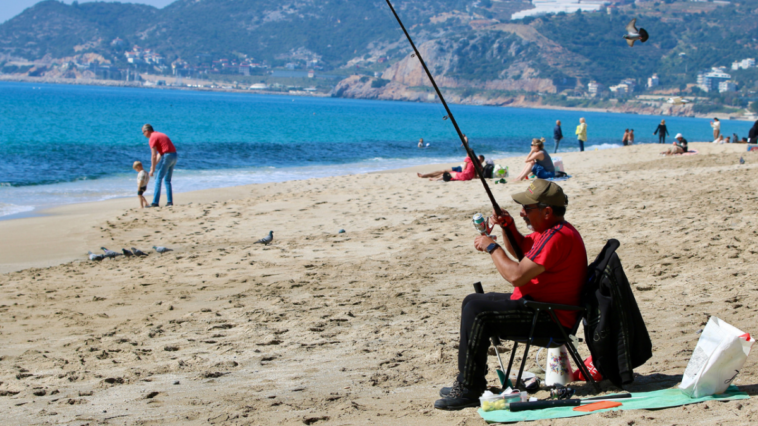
x,y
743,64
709,80
619,90
653,81
727,86
594,88
544,7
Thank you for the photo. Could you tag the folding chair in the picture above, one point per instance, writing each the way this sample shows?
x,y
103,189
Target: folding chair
x,y
554,341
561,337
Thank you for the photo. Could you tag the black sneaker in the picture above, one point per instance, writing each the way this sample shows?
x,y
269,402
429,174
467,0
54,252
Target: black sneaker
x,y
458,398
154,205
169,204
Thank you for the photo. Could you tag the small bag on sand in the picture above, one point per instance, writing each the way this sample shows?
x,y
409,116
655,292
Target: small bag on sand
x,y
717,359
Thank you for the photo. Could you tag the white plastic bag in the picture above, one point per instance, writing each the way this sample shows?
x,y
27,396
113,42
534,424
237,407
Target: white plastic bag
x,y
558,164
717,359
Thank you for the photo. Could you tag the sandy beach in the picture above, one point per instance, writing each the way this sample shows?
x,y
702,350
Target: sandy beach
x,y
360,327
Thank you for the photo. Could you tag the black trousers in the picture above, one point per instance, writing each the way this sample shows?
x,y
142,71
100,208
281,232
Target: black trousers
x,y
661,138
487,315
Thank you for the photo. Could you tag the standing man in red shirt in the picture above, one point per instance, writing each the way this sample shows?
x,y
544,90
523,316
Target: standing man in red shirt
x,y
163,158
553,270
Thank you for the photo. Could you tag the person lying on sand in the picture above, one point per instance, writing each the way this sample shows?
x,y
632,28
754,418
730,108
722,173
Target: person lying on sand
x,y
468,173
680,146
538,162
553,270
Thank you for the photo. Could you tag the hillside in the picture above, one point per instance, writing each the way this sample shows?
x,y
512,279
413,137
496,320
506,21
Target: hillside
x,y
473,48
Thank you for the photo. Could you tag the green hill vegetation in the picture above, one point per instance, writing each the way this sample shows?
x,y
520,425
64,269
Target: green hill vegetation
x,y
685,37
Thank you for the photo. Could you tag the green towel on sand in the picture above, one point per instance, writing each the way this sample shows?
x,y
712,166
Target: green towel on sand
x,y
647,400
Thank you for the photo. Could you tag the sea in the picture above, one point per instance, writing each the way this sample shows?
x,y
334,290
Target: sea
x,y
63,144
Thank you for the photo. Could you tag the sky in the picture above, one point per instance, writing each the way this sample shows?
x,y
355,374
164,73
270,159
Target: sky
x,y
11,8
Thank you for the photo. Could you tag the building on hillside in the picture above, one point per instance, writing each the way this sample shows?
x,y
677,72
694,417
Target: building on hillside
x,y
311,73
743,64
727,86
708,80
594,88
117,42
619,90
630,83
653,81
544,7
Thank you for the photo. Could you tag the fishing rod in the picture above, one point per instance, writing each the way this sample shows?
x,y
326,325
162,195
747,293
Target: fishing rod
x,y
474,160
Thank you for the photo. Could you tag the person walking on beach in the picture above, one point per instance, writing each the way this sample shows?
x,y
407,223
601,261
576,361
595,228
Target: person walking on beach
x,y
581,133
625,139
142,180
163,158
661,131
557,135
716,125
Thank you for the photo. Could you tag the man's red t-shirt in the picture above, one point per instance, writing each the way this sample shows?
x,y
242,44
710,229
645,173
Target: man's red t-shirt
x,y
161,143
561,251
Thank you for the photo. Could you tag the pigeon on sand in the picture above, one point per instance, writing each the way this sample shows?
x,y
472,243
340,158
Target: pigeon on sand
x,y
127,253
138,252
93,256
633,34
266,240
110,253
162,249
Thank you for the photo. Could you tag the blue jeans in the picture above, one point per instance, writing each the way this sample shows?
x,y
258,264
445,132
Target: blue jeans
x,y
557,142
165,171
541,173
581,145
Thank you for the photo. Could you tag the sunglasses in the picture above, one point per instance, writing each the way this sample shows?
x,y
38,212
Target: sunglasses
x,y
528,208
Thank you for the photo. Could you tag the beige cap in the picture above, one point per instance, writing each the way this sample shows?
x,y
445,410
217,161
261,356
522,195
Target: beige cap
x,y
543,192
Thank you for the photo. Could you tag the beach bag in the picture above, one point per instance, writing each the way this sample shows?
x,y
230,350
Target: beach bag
x,y
499,172
718,357
487,171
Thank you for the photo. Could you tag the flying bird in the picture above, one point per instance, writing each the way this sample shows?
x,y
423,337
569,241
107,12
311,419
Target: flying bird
x,y
110,253
93,256
138,252
266,240
127,253
633,34
162,249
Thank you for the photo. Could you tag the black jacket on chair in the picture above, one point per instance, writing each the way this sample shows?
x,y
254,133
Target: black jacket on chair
x,y
614,329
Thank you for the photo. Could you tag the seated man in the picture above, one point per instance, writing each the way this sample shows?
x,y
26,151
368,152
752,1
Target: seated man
x,y
680,146
553,270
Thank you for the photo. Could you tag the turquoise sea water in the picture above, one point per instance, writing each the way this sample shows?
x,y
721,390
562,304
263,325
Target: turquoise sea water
x,y
64,144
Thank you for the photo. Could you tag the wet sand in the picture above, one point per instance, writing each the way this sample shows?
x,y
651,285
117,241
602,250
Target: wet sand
x,y
360,327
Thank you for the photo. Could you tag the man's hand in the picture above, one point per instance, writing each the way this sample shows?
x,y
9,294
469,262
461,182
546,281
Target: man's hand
x,y
481,242
505,219
152,172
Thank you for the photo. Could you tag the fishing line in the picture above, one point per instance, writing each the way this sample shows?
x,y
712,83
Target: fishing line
x,y
474,160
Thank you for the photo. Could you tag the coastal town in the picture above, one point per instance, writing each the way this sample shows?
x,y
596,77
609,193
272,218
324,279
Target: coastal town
x,y
697,91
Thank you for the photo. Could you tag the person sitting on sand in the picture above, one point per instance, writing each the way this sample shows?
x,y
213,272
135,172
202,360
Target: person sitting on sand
x,y
553,270
680,146
468,172
538,162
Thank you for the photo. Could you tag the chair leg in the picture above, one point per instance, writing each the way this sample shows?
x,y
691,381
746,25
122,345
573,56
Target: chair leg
x,y
575,353
510,363
528,344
